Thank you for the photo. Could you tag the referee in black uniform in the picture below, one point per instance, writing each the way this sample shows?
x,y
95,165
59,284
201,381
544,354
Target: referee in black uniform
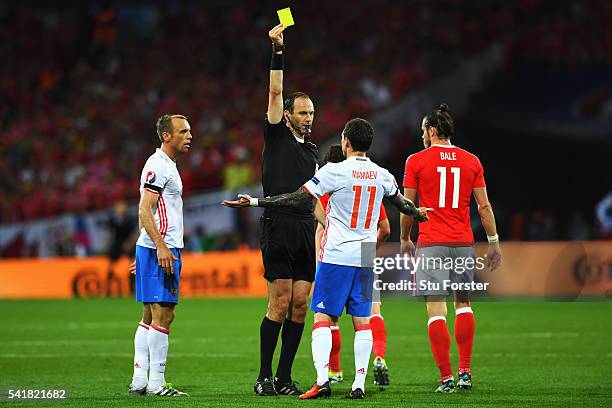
x,y
287,235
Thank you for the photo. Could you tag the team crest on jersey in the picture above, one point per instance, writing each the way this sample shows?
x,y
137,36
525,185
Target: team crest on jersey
x,y
150,178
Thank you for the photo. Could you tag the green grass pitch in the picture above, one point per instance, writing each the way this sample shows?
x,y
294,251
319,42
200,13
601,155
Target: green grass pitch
x,y
525,354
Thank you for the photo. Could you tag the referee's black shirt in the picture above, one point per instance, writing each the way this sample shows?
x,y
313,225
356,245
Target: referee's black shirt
x,y
287,165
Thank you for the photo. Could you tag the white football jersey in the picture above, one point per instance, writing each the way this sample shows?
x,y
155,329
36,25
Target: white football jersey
x,y
161,176
356,188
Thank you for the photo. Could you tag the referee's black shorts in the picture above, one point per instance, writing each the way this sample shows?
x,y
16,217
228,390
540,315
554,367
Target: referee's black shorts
x,y
288,247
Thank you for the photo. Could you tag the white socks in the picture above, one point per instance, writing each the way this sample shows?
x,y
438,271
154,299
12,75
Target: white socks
x,y
322,344
141,356
158,351
362,349
321,347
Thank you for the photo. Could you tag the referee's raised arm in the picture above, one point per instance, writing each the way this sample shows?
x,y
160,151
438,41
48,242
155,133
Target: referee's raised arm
x,y
275,97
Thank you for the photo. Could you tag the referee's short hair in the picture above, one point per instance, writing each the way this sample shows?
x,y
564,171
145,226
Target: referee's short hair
x,y
290,100
360,133
164,124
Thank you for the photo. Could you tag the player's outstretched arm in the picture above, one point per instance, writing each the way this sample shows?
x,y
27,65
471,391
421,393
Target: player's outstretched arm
x,y
298,198
275,96
407,207
487,218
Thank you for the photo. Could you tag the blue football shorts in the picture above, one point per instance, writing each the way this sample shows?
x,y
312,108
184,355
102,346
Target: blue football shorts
x,y
340,286
152,284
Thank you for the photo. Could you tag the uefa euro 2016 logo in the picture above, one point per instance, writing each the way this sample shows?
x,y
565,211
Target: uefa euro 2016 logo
x,y
150,178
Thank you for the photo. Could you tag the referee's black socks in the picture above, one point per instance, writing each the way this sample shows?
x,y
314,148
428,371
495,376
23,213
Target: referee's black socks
x,y
292,334
268,337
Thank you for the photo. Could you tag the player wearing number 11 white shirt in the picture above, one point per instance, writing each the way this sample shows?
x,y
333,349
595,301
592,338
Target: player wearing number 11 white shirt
x,y
356,187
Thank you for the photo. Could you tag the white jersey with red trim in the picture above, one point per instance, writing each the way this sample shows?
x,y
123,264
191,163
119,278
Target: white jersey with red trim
x,y
356,187
161,176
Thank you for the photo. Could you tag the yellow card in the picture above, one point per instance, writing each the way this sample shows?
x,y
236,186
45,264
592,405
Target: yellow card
x,y
285,17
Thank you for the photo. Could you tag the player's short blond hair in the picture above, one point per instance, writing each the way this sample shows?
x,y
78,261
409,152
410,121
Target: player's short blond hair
x,y
164,124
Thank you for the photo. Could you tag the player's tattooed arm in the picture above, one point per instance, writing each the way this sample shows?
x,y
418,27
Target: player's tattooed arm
x,y
406,206
298,198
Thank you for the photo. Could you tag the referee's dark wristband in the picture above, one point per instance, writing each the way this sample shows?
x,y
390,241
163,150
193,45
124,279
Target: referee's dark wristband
x,y
277,62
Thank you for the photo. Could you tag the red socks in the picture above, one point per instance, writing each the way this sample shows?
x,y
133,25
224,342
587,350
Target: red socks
x,y
439,339
379,333
464,335
334,356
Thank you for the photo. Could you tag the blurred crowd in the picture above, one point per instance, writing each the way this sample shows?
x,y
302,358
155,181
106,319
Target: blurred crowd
x,y
84,84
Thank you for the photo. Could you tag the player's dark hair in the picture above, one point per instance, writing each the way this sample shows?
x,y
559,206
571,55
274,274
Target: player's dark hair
x,y
290,100
360,133
442,121
334,154
164,124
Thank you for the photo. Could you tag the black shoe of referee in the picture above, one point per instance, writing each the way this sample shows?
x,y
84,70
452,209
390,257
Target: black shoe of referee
x,y
265,388
286,388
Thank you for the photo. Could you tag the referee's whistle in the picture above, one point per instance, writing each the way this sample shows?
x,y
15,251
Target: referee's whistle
x,y
307,130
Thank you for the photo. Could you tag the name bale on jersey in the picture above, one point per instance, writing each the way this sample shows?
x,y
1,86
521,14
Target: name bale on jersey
x,y
448,156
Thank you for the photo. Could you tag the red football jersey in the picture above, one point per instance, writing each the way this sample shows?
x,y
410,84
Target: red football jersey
x,y
383,214
444,177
